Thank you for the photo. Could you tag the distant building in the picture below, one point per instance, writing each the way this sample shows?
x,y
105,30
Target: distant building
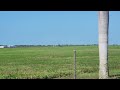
x,y
11,46
2,46
7,46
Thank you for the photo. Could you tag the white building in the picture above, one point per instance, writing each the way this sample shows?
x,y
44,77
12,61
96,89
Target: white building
x,y
2,46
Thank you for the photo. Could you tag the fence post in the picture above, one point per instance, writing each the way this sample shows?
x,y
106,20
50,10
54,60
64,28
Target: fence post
x,y
74,64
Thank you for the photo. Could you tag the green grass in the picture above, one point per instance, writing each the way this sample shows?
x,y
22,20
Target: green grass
x,y
55,62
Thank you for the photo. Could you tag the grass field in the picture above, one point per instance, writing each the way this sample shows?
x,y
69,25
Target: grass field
x,y
55,62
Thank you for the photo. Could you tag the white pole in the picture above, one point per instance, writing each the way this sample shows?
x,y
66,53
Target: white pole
x,y
74,64
103,44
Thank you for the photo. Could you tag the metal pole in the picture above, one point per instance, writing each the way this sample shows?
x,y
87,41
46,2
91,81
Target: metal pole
x,y
74,64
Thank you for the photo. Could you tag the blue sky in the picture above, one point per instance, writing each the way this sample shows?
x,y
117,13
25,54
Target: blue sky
x,y
55,27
